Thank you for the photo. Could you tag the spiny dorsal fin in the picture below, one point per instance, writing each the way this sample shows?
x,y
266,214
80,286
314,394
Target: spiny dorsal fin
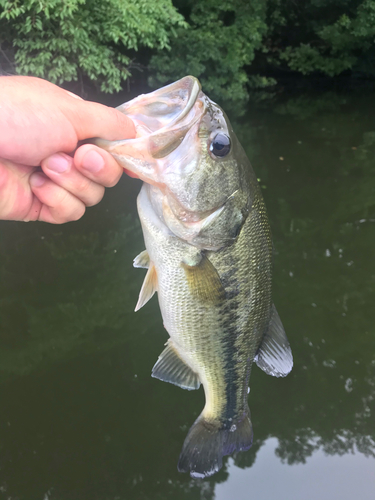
x,y
170,368
274,355
142,260
149,287
204,281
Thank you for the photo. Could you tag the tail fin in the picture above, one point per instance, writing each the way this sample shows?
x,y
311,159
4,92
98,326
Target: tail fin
x,y
208,442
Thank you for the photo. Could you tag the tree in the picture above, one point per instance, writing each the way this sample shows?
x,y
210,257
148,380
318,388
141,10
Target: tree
x,y
230,45
323,36
218,47
63,41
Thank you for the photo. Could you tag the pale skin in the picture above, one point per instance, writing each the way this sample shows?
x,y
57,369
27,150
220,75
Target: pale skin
x,y
43,175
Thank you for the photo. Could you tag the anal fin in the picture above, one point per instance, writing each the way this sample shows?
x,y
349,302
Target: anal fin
x,y
149,287
274,355
171,368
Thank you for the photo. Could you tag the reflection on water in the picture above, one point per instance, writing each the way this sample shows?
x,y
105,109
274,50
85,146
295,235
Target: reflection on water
x,y
322,477
80,415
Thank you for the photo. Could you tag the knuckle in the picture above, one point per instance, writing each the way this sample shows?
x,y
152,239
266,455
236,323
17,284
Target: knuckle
x,y
97,197
66,207
69,215
113,178
82,185
61,199
77,213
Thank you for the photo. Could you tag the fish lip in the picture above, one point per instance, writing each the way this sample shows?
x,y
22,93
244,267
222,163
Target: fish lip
x,y
196,88
192,98
169,92
190,83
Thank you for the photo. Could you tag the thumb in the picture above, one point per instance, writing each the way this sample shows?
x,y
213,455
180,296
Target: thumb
x,y
91,119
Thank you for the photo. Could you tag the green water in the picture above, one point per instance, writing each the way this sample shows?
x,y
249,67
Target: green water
x,y
81,418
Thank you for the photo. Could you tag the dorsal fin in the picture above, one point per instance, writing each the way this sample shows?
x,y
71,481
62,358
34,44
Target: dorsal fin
x,y
274,355
142,260
171,368
149,287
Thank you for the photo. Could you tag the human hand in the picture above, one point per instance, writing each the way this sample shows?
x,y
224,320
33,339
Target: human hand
x,y
40,124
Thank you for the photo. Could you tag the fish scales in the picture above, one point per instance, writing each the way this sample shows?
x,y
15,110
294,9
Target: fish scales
x,y
209,257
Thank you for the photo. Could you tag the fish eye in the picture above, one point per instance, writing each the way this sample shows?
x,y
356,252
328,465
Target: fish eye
x,y
220,145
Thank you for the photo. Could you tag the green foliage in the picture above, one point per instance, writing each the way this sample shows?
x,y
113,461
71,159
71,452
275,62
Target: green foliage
x,y
237,45
62,41
232,46
330,36
218,47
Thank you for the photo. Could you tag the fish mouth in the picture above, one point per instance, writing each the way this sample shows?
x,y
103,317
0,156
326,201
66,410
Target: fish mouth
x,y
162,119
164,107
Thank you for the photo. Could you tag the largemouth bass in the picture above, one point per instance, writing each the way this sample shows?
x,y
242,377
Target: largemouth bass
x,y
209,256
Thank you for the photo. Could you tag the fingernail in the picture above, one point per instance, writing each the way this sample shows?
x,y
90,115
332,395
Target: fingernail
x,y
58,163
93,161
37,180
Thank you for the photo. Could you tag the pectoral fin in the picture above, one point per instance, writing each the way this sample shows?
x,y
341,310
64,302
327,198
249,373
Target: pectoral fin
x,y
204,281
171,368
142,260
275,355
149,287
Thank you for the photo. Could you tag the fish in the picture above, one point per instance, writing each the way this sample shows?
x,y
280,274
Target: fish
x,y
208,255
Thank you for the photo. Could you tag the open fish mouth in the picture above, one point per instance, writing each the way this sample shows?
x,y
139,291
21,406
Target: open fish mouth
x,y
162,119
164,107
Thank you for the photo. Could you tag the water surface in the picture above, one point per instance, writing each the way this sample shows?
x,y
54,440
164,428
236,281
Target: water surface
x,y
81,418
